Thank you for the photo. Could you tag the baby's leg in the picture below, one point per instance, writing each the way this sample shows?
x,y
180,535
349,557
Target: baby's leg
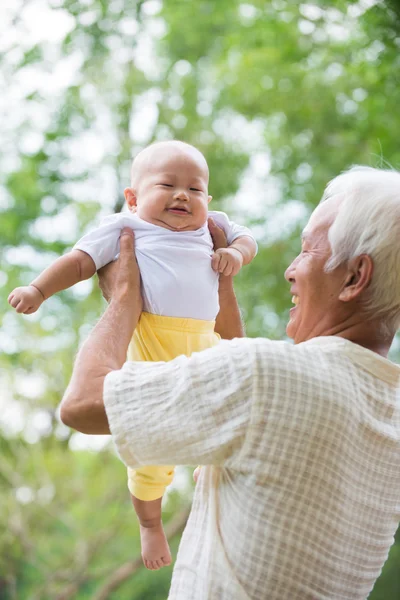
x,y
147,486
155,548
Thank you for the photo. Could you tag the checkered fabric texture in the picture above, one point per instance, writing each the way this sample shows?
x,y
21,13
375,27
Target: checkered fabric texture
x,y
299,496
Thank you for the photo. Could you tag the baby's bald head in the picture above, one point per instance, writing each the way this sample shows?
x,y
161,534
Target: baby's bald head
x,y
159,152
169,186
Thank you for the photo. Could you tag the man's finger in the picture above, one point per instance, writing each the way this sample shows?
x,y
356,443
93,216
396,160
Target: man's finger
x,y
217,234
126,241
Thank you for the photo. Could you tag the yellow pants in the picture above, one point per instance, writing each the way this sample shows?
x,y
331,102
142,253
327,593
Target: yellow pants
x,y
164,338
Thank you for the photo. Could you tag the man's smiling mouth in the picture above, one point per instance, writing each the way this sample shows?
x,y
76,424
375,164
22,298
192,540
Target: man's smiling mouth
x,y
295,300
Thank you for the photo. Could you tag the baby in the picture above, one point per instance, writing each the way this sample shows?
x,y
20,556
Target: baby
x,y
168,203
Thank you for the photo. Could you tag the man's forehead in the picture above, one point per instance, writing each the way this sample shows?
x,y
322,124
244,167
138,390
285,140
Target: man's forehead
x,y
322,218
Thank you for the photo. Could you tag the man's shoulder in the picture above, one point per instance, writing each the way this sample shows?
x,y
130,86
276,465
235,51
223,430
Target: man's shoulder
x,y
281,356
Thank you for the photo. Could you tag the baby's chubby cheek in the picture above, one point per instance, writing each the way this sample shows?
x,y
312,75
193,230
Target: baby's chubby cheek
x,y
147,212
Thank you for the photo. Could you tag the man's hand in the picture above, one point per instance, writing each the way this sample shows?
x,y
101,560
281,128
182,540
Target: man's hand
x,y
26,299
217,235
121,278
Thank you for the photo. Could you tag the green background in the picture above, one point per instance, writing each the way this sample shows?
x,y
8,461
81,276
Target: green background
x,y
280,96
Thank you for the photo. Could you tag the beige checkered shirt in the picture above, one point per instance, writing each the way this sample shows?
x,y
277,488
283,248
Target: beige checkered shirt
x,y
300,495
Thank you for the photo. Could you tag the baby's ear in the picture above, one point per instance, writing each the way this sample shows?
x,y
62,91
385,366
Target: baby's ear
x,y
130,198
209,199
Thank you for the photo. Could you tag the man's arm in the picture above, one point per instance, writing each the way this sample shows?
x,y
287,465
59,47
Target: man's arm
x,y
82,406
229,322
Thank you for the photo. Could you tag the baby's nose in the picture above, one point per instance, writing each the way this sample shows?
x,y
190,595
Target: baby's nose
x,y
182,195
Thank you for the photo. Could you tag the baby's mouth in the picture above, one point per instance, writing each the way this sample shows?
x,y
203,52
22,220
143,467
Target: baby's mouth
x,y
295,300
178,210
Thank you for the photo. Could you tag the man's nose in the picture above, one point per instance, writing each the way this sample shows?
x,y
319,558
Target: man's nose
x,y
289,273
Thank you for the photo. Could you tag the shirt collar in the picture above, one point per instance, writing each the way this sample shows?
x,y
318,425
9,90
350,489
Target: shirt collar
x,y
379,366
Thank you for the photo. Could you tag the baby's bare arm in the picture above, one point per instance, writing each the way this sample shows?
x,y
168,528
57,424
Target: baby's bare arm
x,y
62,274
246,246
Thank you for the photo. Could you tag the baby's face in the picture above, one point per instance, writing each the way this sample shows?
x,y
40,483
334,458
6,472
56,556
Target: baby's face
x,y
171,191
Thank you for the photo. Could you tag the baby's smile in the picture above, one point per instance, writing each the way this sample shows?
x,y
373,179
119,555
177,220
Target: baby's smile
x,y
179,210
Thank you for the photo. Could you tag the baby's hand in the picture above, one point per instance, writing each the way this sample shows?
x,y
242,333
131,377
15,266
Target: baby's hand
x,y
227,261
26,299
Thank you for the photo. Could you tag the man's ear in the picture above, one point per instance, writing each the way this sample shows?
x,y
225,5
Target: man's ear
x,y
209,199
358,278
130,198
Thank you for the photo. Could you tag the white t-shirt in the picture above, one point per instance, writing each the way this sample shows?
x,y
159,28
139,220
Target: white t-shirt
x,y
175,266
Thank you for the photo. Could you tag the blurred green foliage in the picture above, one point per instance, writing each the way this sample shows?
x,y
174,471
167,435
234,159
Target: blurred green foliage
x,y
280,96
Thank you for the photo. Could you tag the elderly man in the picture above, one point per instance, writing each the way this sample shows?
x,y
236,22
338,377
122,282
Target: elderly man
x,y
299,496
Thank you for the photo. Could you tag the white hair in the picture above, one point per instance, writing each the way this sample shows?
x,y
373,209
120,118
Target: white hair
x,y
368,222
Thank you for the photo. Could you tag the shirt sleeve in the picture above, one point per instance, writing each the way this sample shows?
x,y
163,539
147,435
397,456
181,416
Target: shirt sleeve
x,y
102,243
187,411
232,230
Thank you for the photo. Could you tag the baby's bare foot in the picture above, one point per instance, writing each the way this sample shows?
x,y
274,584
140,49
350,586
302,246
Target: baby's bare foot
x,y
155,548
